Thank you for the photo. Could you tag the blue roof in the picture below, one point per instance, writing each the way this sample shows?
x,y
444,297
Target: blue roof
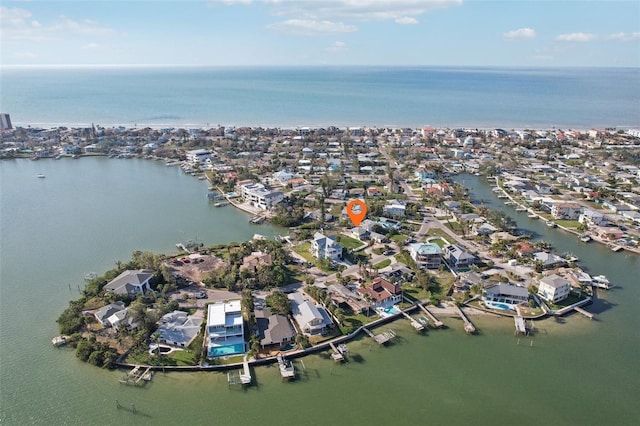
x,y
426,248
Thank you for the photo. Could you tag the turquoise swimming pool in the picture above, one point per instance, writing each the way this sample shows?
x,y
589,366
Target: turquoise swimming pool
x,y
391,310
226,350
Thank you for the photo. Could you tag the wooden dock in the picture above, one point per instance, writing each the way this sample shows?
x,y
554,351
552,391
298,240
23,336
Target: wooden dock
x,y
245,376
521,325
136,376
287,370
469,328
415,324
583,312
337,354
436,323
381,338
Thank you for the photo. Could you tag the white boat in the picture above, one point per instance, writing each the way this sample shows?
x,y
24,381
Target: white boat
x,y
601,281
585,238
532,216
40,176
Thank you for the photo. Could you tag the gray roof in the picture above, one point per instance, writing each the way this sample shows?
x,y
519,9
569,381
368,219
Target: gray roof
x,y
555,281
179,329
129,281
508,290
273,328
105,312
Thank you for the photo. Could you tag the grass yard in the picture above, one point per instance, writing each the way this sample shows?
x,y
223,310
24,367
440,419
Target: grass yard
x,y
399,238
348,242
303,250
568,223
436,232
382,264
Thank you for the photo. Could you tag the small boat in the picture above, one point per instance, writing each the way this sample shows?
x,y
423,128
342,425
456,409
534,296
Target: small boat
x,y
601,281
59,341
585,238
532,216
90,276
40,176
551,224
521,209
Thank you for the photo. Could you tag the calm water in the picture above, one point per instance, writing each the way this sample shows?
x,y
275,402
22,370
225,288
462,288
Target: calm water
x,y
88,213
351,96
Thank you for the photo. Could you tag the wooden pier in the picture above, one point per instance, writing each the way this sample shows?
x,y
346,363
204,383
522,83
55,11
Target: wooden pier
x,y
287,370
436,323
521,325
415,324
245,377
469,328
337,353
381,338
583,312
136,376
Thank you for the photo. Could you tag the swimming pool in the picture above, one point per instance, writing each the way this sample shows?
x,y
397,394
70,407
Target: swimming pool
x,y
502,306
226,350
391,310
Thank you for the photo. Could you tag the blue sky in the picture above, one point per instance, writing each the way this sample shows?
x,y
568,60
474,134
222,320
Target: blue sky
x,y
340,32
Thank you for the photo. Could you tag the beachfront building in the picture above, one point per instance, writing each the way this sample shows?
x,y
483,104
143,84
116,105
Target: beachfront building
x,y
381,293
505,296
311,319
225,329
457,257
426,255
257,195
326,247
554,288
178,329
198,155
273,329
131,282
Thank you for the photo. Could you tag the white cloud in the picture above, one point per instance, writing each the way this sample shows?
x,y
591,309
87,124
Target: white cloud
x,y
311,27
357,10
234,2
16,24
520,34
406,20
579,37
338,46
91,46
624,36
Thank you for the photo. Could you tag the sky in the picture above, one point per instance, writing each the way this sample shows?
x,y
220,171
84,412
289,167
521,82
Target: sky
x,y
514,33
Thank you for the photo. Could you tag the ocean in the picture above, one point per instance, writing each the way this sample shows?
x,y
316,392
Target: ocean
x,y
580,98
90,212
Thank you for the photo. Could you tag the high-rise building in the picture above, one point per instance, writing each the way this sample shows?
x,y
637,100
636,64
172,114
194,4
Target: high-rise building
x,y
5,122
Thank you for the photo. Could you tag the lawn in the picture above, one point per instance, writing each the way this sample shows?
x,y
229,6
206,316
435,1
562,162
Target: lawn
x,y
439,241
348,242
399,238
382,264
435,232
183,357
568,223
303,250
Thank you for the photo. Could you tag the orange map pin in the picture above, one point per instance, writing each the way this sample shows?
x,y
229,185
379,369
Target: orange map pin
x,y
357,210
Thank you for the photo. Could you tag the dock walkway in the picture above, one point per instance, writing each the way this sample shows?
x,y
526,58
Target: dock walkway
x,y
436,323
381,338
287,370
583,312
245,377
415,324
469,328
337,354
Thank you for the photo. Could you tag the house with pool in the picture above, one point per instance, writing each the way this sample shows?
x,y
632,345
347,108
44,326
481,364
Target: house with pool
x,y
225,329
505,296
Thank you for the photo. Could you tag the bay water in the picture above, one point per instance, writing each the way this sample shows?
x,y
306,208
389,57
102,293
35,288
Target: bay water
x,y
90,212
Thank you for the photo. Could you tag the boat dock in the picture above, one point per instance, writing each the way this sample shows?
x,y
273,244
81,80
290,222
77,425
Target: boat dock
x,y
59,341
137,375
337,354
469,328
287,370
415,324
583,312
257,219
436,323
617,248
521,325
381,338
245,377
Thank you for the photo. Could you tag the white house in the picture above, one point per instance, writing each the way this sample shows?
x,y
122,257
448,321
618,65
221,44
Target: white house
x,y
395,207
311,319
325,247
426,255
131,282
592,218
505,296
225,329
565,210
259,196
178,329
554,288
198,155
457,257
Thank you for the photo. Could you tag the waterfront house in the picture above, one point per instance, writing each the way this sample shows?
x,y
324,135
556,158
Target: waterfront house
x,y
198,155
225,329
549,260
178,329
554,288
592,218
257,195
504,296
382,293
256,260
457,257
131,282
326,247
273,329
106,312
564,210
426,255
311,319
